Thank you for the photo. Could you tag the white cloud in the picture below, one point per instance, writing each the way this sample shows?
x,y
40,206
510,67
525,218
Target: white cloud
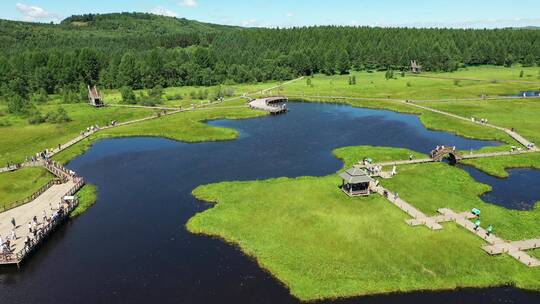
x,y
188,3
289,14
36,13
160,10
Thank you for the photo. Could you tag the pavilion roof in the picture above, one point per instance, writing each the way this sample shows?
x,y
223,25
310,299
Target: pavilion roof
x,y
355,176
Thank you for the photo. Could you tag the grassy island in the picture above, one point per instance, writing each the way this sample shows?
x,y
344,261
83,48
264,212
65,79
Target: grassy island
x,y
323,244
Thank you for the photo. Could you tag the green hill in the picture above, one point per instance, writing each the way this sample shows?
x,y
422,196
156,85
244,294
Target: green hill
x,y
107,31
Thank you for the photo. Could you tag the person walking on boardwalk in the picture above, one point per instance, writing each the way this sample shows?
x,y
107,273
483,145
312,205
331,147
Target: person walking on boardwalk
x,y
489,229
13,222
13,234
477,225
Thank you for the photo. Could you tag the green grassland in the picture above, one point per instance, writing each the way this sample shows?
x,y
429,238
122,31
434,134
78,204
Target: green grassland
x,y
374,85
20,184
520,114
187,126
497,166
490,73
21,139
171,95
322,244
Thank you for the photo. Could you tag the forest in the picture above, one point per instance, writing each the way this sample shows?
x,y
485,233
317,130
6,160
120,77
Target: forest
x,y
139,50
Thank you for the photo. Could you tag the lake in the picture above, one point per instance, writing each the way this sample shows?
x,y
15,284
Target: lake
x,y
132,246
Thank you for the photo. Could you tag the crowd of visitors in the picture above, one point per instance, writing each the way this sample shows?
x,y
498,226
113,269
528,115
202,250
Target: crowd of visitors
x,y
481,120
37,229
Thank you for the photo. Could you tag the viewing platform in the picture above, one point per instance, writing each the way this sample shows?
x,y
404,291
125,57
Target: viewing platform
x,y
25,226
273,105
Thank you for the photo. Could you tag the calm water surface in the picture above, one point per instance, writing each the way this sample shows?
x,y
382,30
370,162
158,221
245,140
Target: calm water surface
x,y
519,191
132,247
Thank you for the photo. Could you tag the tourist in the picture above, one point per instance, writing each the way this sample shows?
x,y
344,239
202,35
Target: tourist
x,y
477,225
394,170
396,195
30,227
13,222
489,230
410,157
13,234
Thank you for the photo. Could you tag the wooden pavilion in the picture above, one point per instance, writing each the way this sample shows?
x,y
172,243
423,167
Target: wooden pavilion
x,y
356,182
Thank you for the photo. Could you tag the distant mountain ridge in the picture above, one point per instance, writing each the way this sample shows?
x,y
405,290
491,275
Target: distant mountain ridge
x,y
108,31
141,21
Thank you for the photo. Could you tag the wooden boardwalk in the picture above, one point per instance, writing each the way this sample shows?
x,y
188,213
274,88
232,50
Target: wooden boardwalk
x,y
45,204
520,139
431,160
496,244
407,208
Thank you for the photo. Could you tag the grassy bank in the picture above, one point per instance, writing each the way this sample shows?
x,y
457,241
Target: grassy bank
x,y
521,114
20,184
432,121
322,244
87,198
186,126
497,166
21,139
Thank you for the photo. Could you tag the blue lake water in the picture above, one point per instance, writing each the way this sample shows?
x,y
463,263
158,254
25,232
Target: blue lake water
x,y
529,94
132,246
520,191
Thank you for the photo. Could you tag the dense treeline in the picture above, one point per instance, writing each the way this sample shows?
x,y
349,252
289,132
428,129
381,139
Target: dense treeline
x,y
138,50
337,49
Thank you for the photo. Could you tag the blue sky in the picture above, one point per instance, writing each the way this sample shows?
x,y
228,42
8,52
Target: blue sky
x,y
417,13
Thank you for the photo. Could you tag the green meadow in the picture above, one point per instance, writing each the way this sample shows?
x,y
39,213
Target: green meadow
x,y
20,184
322,244
346,246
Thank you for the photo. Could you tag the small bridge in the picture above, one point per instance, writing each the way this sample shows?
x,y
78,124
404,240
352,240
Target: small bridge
x,y
273,105
440,152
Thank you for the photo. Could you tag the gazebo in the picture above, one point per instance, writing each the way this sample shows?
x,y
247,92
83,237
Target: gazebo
x,y
356,182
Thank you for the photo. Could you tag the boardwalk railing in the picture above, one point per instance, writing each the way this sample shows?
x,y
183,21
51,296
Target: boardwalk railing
x,y
55,168
58,170
45,231
30,198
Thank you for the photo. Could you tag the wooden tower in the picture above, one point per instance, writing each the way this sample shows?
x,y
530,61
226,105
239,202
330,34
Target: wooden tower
x,y
94,97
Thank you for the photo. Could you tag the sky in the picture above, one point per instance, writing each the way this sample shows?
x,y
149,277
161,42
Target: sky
x,y
288,13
